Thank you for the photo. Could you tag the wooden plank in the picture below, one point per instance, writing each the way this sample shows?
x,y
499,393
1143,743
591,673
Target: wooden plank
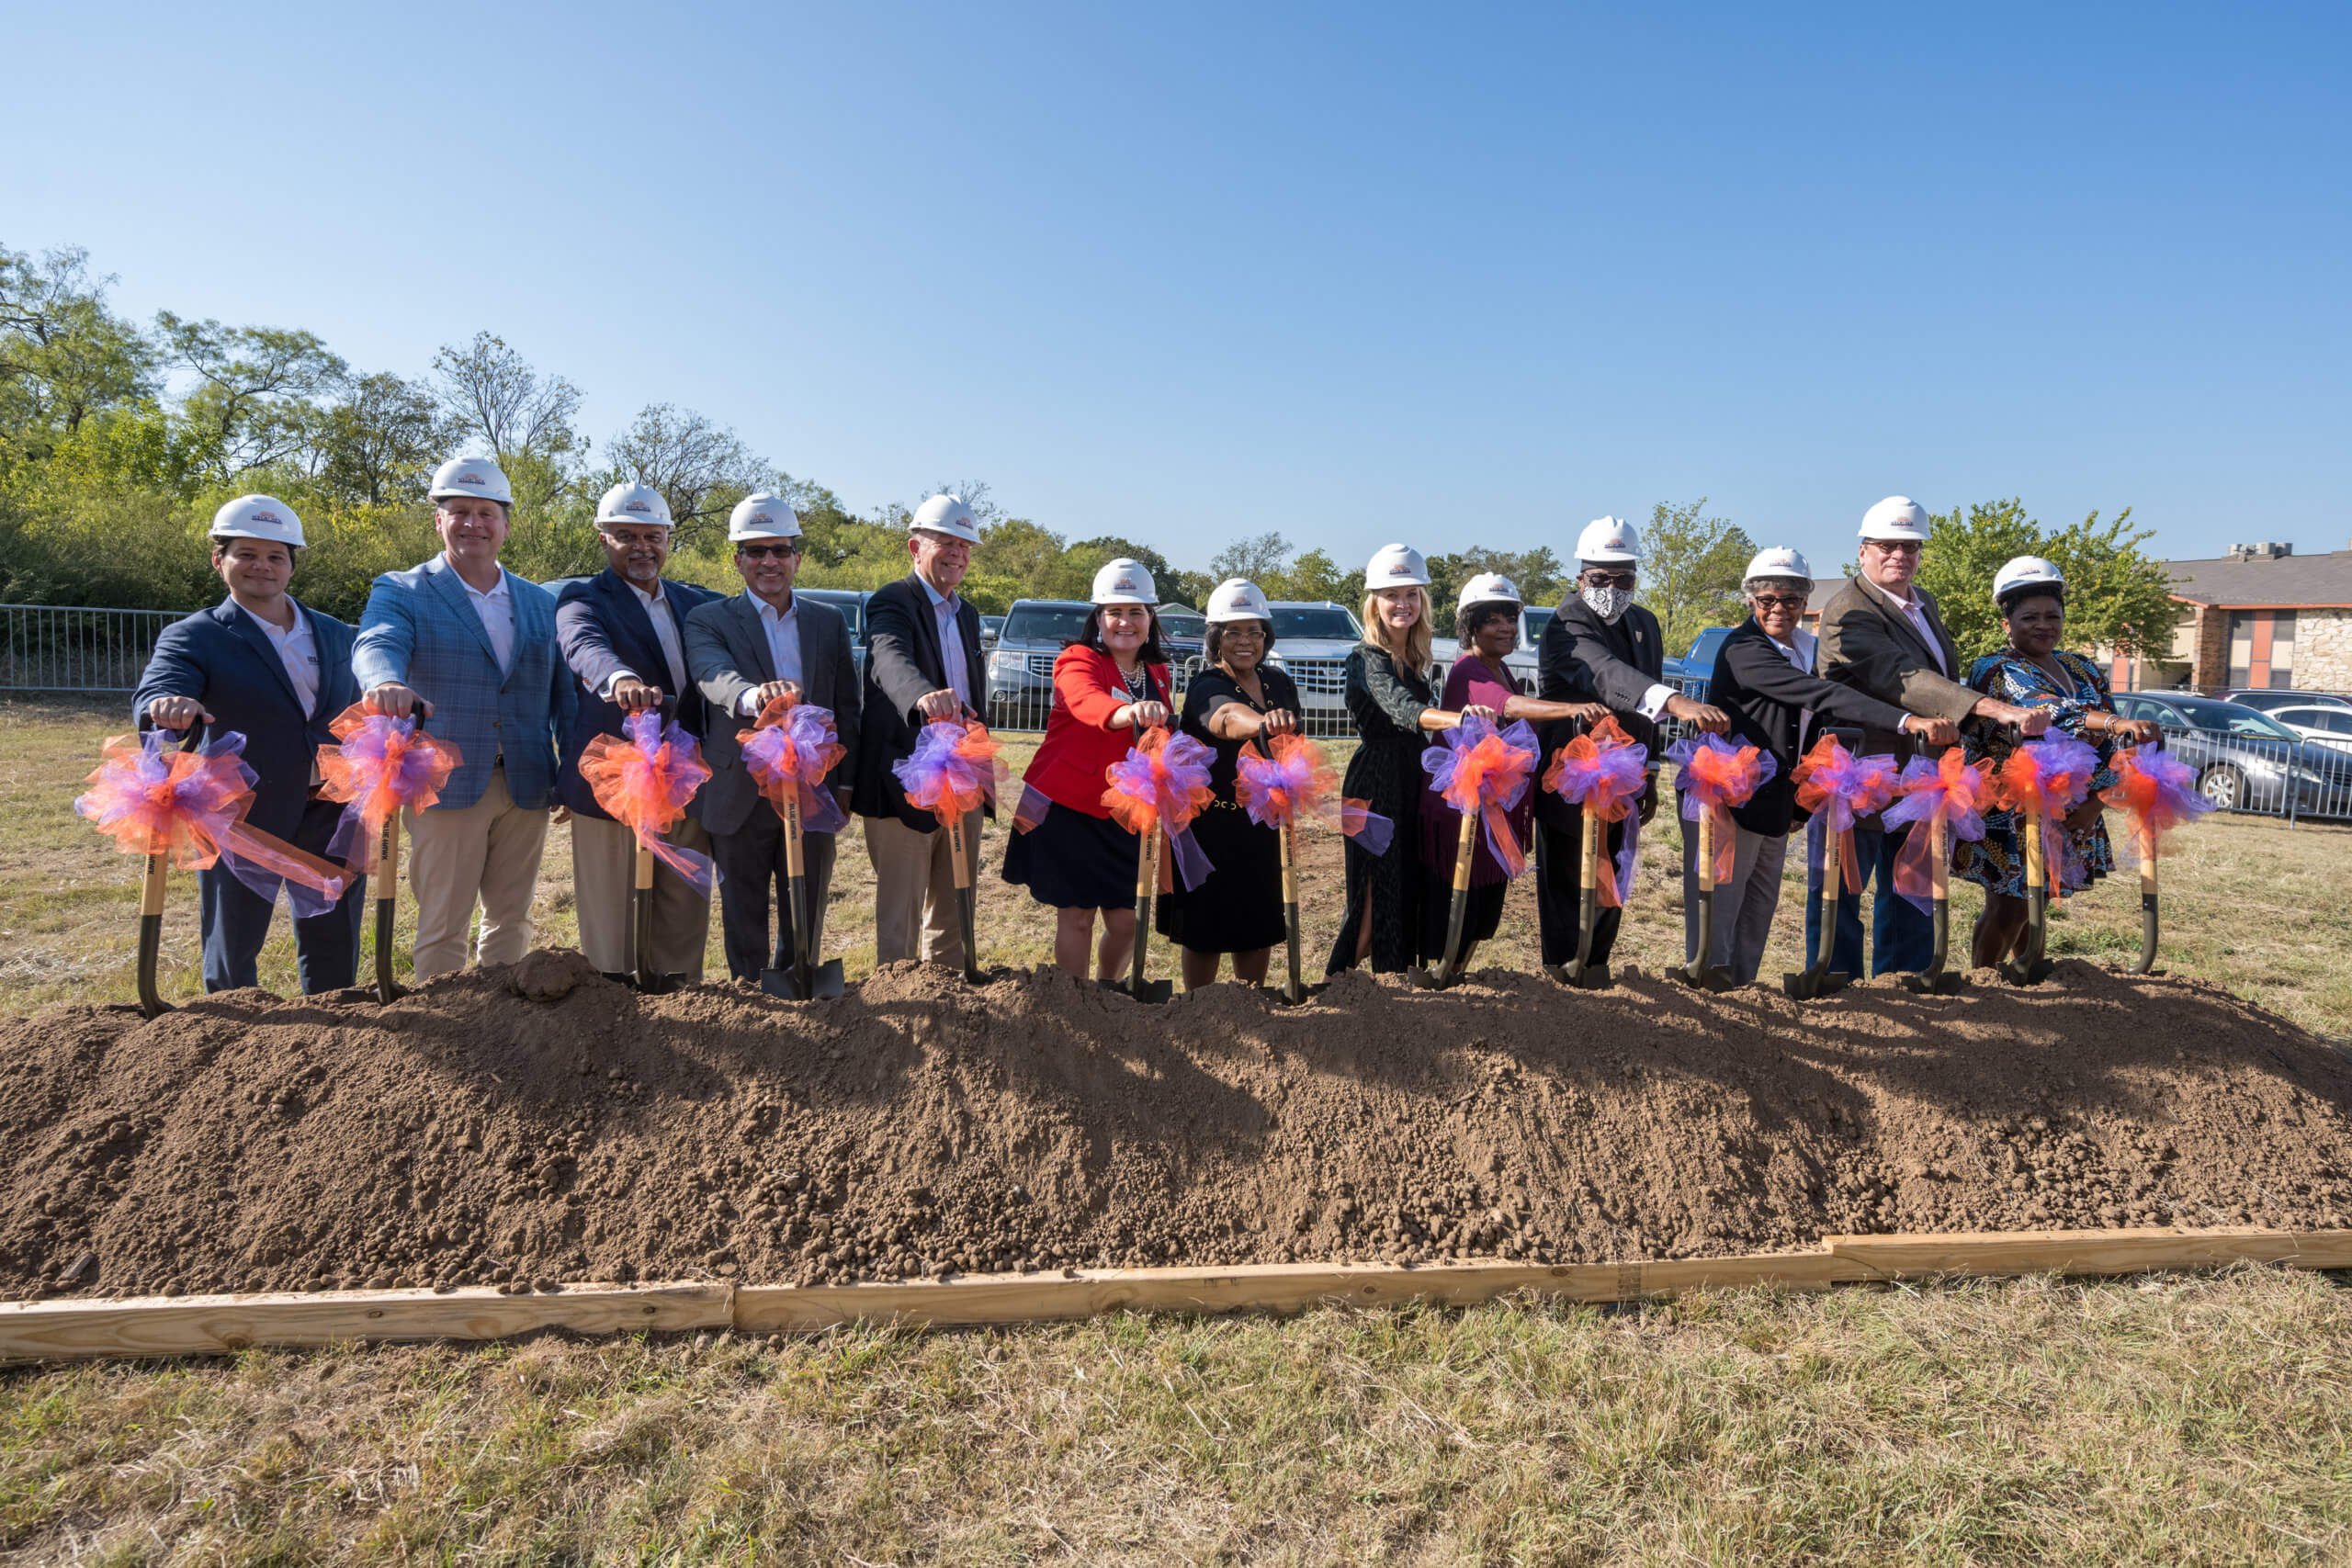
x,y
2092,1252
207,1324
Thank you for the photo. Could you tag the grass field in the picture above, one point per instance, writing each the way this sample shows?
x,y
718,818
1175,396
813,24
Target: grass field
x,y
2171,1420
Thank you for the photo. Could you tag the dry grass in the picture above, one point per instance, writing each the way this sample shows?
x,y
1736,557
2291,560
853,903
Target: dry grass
x,y
2161,1421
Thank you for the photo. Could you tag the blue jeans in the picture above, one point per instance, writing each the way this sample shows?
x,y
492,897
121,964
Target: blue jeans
x,y
236,922
1902,939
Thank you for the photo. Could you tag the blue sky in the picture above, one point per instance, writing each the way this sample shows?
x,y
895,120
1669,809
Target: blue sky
x,y
1457,274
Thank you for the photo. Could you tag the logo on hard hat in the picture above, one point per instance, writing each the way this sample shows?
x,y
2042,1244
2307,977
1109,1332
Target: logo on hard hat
x,y
470,480
1125,582
762,517
637,506
265,517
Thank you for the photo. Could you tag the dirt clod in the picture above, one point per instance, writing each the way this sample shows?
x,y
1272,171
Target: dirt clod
x,y
918,1128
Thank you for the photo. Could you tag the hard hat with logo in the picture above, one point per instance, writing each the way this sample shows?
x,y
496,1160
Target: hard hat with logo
x,y
947,514
1487,588
1238,599
1609,541
1124,581
1898,518
476,476
2026,571
1778,561
1395,566
258,517
628,503
763,514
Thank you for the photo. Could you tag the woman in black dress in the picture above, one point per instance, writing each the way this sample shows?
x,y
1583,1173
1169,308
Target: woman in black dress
x,y
1238,698
1391,696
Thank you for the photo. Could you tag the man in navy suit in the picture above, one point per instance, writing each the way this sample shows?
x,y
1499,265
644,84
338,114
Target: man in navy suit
x,y
623,632
277,672
472,647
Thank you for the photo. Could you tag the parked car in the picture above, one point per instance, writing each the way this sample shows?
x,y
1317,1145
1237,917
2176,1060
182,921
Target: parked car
x,y
1520,661
990,625
851,603
2324,726
2270,699
1312,641
1699,664
2243,757
1183,634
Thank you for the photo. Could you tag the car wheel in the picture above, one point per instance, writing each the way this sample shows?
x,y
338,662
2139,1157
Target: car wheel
x,y
2224,786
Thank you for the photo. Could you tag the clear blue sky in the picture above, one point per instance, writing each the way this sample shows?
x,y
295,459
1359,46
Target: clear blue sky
x,y
1354,272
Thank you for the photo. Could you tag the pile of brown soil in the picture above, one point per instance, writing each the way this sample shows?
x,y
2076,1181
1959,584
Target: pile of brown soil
x,y
539,1124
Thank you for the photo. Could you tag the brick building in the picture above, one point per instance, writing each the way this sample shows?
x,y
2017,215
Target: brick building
x,y
2260,615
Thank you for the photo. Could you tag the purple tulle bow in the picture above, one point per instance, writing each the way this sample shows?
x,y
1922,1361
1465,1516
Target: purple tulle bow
x,y
794,753
1489,769
1164,784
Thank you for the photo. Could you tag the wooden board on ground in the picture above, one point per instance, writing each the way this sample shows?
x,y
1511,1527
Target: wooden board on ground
x,y
73,1327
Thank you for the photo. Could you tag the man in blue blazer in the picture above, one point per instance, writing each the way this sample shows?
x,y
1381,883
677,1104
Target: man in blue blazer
x,y
622,633
277,672
473,646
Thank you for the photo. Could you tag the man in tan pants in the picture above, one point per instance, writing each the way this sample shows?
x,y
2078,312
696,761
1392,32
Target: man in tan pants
x,y
471,647
922,662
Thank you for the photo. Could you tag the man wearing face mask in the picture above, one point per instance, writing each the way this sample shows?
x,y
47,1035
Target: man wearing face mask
x,y
623,635
471,646
1600,647
1881,634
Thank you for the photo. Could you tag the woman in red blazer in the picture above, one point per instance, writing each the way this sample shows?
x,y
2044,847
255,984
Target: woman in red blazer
x,y
1109,686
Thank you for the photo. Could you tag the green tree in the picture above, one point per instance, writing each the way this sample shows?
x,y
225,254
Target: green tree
x,y
255,402
702,470
65,356
2118,596
495,397
380,442
1691,571
1313,575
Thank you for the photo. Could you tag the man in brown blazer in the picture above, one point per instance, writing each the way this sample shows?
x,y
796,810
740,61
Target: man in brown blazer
x,y
1881,634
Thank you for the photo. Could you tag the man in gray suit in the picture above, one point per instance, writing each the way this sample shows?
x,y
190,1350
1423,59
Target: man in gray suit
x,y
743,653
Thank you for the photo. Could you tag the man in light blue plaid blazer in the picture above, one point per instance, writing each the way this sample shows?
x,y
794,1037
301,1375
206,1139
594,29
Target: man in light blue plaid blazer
x,y
474,646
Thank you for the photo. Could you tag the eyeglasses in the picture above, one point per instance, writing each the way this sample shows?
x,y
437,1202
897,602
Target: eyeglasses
x,y
1610,578
1893,547
1778,601
1247,630
761,552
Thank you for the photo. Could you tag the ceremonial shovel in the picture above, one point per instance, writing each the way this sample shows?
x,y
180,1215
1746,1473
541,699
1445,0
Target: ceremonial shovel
x,y
1449,971
1292,990
2034,968
1581,971
151,910
388,896
1820,980
805,980
2144,841
1146,887
1938,980
966,902
1699,973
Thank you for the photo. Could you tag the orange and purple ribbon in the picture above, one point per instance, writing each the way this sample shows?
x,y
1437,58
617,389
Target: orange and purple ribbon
x,y
1715,777
1291,778
1164,781
154,800
379,765
952,770
644,782
2049,778
1841,789
1603,772
1484,771
1950,789
2158,790
789,751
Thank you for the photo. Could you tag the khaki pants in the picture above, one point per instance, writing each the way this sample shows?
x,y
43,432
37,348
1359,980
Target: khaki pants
x,y
604,871
489,851
914,890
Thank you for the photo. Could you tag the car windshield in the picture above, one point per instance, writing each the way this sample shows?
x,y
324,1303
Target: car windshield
x,y
1184,623
2232,719
1044,623
851,603
1328,623
1536,621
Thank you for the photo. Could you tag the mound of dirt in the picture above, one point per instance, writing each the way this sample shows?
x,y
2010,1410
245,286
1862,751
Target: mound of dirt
x,y
538,1124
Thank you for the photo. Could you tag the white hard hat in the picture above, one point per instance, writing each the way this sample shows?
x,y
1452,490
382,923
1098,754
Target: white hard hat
x,y
947,514
472,476
1896,517
1238,599
633,504
1395,566
1487,588
1123,581
1777,561
1609,541
2026,569
258,517
763,514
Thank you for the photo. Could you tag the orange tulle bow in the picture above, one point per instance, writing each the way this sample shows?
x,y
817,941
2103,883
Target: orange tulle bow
x,y
379,765
644,781
952,770
2048,778
1716,776
789,750
1840,789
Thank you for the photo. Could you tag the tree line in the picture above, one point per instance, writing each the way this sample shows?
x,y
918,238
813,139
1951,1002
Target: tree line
x,y
118,441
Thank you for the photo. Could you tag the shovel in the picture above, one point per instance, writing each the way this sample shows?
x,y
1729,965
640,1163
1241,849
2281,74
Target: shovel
x,y
1449,970
2146,842
2034,968
1820,980
1293,991
1939,979
388,895
964,910
1581,972
151,911
805,980
1699,973
1147,888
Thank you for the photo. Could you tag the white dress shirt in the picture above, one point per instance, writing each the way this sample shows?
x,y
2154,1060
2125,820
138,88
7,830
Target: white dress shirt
x,y
496,609
1799,653
944,607
298,651
1915,610
665,628
783,627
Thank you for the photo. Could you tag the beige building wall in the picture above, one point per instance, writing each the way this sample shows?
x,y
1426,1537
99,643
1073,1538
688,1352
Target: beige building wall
x,y
2324,650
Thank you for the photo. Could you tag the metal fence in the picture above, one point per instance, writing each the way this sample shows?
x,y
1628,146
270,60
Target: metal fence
x,y
51,647
2265,776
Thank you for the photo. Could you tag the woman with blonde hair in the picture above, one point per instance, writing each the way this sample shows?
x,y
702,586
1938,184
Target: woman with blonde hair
x,y
1392,695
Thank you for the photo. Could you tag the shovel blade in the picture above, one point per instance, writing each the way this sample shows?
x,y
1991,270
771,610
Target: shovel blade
x,y
2028,971
1582,976
1149,991
1295,993
1807,984
1941,983
827,983
1706,977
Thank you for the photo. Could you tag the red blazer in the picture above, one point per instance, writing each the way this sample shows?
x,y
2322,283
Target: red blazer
x,y
1080,747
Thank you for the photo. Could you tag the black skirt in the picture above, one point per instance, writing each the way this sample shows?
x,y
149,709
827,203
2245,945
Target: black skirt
x,y
1072,861
1237,907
